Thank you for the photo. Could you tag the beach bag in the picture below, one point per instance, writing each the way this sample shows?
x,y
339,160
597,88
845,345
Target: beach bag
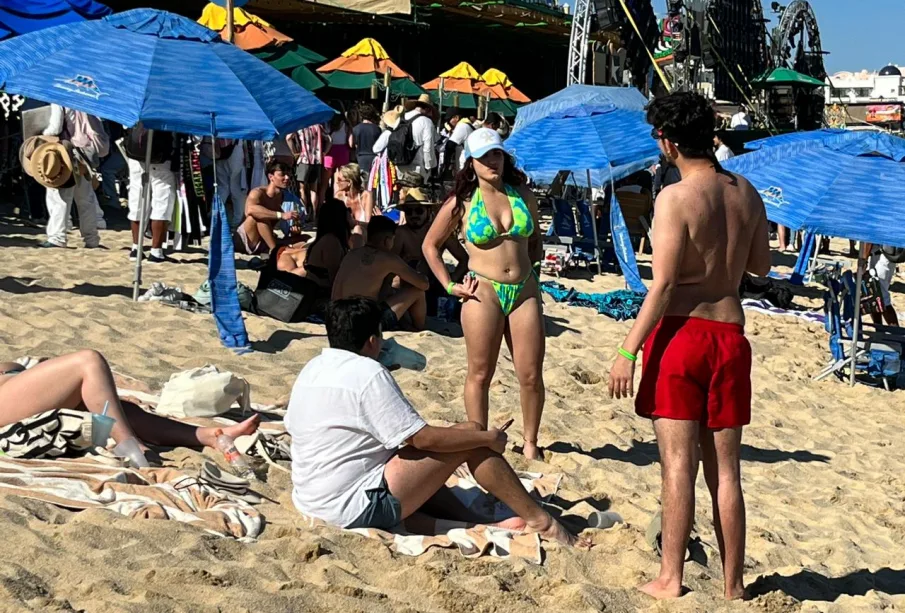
x,y
895,255
285,296
203,392
246,296
401,148
135,144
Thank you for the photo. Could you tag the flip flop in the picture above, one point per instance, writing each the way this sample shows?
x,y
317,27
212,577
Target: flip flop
x,y
227,484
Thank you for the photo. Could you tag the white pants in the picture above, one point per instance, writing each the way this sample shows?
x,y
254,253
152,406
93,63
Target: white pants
x,y
231,181
884,271
163,191
59,207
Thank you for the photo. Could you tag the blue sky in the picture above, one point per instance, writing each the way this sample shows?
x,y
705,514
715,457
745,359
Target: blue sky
x,y
859,34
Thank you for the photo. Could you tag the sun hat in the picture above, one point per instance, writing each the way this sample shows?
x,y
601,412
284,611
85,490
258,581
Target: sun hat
x,y
391,119
481,142
416,197
51,165
28,149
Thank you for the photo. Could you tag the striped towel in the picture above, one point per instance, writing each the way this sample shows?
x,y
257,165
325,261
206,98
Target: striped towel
x,y
149,493
475,541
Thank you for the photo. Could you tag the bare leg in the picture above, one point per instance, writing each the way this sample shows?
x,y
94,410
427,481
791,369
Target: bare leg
x,y
720,451
892,318
525,337
783,233
158,233
158,430
409,300
264,230
678,444
414,476
67,382
483,324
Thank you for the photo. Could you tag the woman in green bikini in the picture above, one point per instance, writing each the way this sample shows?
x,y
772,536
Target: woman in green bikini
x,y
497,215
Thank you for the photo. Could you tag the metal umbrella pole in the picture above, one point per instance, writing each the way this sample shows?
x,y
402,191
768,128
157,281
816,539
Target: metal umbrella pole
x,y
856,330
440,103
143,213
593,209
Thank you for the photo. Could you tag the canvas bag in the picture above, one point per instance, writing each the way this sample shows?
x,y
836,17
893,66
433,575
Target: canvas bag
x,y
283,295
203,392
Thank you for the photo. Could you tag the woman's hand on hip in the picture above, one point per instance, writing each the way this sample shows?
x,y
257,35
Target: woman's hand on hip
x,y
466,290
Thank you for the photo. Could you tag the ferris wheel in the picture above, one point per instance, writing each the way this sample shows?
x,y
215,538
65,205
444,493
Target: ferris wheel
x,y
797,33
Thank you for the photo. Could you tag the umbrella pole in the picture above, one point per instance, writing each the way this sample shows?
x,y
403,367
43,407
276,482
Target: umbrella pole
x,y
230,28
143,215
387,82
593,209
856,330
442,83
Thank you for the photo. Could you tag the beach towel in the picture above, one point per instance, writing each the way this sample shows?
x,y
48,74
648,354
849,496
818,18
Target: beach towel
x,y
767,308
149,493
620,305
471,542
47,435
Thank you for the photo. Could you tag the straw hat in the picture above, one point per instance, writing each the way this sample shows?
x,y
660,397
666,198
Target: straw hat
x,y
28,149
51,165
415,196
391,119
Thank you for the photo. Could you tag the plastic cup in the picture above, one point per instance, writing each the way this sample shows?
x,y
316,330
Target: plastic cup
x,y
604,520
101,425
130,450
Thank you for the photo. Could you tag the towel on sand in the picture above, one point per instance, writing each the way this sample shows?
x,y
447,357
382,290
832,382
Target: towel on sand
x,y
149,493
475,541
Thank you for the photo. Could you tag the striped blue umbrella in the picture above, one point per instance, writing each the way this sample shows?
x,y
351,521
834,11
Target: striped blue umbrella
x,y
842,188
846,141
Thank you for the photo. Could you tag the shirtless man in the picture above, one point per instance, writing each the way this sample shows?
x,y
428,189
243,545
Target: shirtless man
x,y
263,212
410,238
367,271
696,383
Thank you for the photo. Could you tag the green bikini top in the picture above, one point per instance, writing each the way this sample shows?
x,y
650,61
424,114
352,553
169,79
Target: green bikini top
x,y
480,229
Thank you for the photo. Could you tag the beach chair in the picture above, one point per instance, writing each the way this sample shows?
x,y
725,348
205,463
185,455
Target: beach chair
x,y
637,209
879,350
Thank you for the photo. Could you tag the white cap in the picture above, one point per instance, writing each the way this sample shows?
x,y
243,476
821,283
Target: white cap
x,y
481,142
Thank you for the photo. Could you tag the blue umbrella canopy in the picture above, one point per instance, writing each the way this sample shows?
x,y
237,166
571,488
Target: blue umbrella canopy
x,y
612,143
841,187
625,98
164,70
847,141
20,17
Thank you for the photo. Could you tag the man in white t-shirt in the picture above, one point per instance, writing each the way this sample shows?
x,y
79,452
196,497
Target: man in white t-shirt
x,y
349,421
741,120
723,152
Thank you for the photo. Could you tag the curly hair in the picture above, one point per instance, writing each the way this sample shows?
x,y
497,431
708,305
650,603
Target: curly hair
x,y
686,119
467,180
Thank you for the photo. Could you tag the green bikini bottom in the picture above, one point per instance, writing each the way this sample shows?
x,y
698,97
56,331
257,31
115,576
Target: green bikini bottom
x,y
508,293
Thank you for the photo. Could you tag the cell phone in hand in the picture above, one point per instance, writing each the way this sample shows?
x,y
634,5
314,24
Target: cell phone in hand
x,y
506,425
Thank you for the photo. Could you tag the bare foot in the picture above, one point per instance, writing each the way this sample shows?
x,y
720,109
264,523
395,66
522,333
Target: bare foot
x,y
552,530
736,593
661,590
532,451
516,524
249,426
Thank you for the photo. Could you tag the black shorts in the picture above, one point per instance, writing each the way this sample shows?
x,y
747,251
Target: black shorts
x,y
309,174
388,320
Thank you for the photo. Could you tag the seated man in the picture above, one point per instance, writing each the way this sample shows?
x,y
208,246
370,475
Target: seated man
x,y
348,419
419,214
369,271
263,212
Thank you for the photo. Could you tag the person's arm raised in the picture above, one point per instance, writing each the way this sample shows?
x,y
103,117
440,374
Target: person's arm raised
x,y
452,440
670,237
759,260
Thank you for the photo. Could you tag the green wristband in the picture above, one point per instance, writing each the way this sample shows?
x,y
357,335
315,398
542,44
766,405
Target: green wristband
x,y
450,286
628,356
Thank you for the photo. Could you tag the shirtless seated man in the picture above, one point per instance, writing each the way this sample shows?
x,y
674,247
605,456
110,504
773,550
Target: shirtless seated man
x,y
410,239
264,212
371,461
370,270
696,383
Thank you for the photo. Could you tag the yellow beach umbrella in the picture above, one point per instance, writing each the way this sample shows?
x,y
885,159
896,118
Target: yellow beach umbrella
x,y
500,83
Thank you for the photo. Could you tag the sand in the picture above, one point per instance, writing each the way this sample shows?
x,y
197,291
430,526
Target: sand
x,y
823,470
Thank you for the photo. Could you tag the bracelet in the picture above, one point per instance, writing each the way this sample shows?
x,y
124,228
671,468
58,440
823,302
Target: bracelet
x,y
628,356
449,287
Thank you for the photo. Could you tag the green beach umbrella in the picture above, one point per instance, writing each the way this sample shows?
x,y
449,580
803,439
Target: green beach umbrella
x,y
360,66
787,76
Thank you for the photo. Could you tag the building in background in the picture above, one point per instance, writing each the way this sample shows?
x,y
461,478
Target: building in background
x,y
869,98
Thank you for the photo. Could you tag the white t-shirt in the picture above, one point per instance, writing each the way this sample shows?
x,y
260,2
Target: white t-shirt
x,y
461,132
347,417
724,153
740,121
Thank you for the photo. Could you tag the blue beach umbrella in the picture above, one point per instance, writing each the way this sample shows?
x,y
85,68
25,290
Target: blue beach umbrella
x,y
172,74
625,98
23,16
846,141
843,187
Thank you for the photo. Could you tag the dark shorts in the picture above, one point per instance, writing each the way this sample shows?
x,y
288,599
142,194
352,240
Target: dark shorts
x,y
308,173
697,370
383,512
388,320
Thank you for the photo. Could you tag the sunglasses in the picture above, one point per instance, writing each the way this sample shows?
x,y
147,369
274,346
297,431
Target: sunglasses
x,y
656,134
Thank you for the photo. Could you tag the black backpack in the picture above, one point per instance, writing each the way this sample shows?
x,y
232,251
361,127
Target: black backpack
x,y
401,148
135,144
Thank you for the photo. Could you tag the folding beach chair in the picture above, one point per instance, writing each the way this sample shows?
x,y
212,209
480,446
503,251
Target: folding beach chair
x,y
879,350
637,209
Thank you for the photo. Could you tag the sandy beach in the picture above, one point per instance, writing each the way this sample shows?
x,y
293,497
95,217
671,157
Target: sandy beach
x,y
822,473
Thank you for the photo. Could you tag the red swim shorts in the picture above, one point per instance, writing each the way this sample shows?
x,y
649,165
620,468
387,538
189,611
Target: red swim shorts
x,y
697,370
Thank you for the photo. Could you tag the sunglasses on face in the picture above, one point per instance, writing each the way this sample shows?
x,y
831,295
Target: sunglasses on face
x,y
656,134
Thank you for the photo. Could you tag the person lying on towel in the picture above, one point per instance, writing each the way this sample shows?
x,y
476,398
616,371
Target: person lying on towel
x,y
83,380
362,456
